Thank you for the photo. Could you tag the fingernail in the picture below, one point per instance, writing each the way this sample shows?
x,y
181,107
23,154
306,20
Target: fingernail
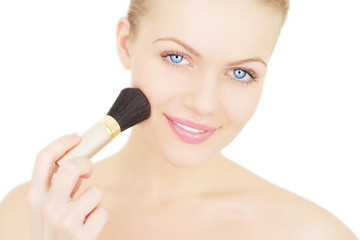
x,y
74,135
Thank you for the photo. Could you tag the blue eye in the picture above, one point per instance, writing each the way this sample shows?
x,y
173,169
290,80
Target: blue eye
x,y
243,76
176,58
240,74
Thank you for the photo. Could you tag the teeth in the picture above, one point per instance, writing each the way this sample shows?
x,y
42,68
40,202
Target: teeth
x,y
189,128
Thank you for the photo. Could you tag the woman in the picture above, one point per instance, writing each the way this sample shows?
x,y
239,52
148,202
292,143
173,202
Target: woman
x,y
202,66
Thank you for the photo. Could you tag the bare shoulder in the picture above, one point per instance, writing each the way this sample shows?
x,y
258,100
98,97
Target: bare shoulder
x,y
309,220
290,216
14,214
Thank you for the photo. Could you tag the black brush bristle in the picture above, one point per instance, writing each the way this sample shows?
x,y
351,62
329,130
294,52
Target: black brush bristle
x,y
131,107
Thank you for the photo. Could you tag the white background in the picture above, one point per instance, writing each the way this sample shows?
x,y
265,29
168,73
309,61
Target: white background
x,y
60,73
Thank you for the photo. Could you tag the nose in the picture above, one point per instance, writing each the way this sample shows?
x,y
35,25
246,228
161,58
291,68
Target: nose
x,y
203,96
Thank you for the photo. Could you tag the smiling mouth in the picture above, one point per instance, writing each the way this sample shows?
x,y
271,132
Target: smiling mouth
x,y
195,133
190,129
189,125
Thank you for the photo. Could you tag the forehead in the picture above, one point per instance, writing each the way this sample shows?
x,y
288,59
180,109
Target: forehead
x,y
216,26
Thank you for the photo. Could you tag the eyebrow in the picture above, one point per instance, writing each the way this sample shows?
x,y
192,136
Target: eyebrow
x,y
184,45
257,59
196,53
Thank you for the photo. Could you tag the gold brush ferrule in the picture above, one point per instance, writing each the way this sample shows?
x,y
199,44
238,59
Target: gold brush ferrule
x,y
112,125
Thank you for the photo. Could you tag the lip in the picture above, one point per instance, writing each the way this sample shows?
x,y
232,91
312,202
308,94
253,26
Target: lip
x,y
191,124
188,136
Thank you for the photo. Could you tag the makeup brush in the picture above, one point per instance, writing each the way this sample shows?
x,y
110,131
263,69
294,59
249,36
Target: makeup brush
x,y
131,107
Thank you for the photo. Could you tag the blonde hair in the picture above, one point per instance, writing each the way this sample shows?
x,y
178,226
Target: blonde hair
x,y
139,8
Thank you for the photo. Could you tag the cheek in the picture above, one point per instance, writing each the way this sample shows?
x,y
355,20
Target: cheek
x,y
156,80
241,104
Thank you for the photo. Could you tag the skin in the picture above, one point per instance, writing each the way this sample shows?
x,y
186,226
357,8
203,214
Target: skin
x,y
157,186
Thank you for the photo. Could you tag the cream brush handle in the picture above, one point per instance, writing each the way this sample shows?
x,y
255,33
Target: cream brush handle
x,y
93,140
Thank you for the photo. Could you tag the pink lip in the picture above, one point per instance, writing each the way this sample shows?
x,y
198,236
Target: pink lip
x,y
188,136
191,124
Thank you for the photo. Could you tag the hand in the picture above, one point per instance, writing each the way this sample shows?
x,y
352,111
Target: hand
x,y
54,212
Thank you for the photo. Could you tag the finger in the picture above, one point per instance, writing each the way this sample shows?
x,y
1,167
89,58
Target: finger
x,y
45,162
84,204
95,223
78,184
64,182
76,188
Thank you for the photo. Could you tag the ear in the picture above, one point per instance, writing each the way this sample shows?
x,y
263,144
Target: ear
x,y
122,42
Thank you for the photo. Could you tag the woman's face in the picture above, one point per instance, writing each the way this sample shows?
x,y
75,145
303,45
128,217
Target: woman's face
x,y
202,61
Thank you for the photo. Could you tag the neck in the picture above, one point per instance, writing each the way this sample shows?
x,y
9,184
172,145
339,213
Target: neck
x,y
148,174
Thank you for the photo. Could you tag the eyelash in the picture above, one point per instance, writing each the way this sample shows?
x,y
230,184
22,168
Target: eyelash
x,y
249,71
166,54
